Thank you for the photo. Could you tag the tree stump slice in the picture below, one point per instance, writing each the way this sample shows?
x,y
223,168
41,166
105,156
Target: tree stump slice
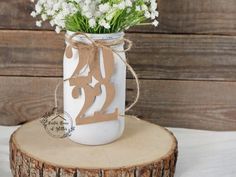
x,y
144,150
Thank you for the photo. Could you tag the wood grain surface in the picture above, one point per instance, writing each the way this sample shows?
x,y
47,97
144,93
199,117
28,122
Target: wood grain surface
x,y
195,17
189,104
125,157
179,16
160,56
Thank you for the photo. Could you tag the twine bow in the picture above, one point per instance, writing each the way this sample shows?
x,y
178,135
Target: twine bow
x,y
92,61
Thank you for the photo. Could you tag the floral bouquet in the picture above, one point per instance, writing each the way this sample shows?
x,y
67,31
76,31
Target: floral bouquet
x,y
95,16
94,67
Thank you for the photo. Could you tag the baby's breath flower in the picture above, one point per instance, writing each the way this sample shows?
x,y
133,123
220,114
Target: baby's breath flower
x,y
88,14
44,17
58,29
121,5
95,16
153,5
33,14
128,10
138,8
147,14
52,22
156,13
153,16
144,7
155,23
104,7
92,22
87,1
38,8
39,23
128,3
102,22
107,26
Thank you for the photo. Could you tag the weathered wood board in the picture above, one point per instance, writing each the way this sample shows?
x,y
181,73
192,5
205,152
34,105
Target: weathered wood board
x,y
187,57
179,16
190,104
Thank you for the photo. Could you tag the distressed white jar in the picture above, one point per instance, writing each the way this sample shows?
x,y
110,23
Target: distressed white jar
x,y
101,132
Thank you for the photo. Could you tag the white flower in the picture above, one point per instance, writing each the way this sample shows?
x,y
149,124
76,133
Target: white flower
x,y
58,29
52,22
57,6
33,14
155,23
144,7
88,14
138,8
39,23
121,5
98,13
38,8
156,13
92,22
50,3
153,16
128,3
87,1
147,14
107,26
102,22
109,17
44,17
85,8
128,10
153,1
110,14
153,6
104,7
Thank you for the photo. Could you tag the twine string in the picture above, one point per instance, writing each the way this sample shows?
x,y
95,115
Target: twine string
x,y
100,44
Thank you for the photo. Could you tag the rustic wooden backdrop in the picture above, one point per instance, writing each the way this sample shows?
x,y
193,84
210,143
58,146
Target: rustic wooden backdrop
x,y
187,66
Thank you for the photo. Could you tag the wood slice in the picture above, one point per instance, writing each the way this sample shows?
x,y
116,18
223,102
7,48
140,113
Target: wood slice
x,y
144,150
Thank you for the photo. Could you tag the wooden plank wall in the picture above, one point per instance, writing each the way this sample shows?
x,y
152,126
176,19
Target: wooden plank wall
x,y
187,66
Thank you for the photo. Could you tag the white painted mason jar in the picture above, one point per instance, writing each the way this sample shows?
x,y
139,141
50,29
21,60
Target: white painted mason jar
x,y
101,132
